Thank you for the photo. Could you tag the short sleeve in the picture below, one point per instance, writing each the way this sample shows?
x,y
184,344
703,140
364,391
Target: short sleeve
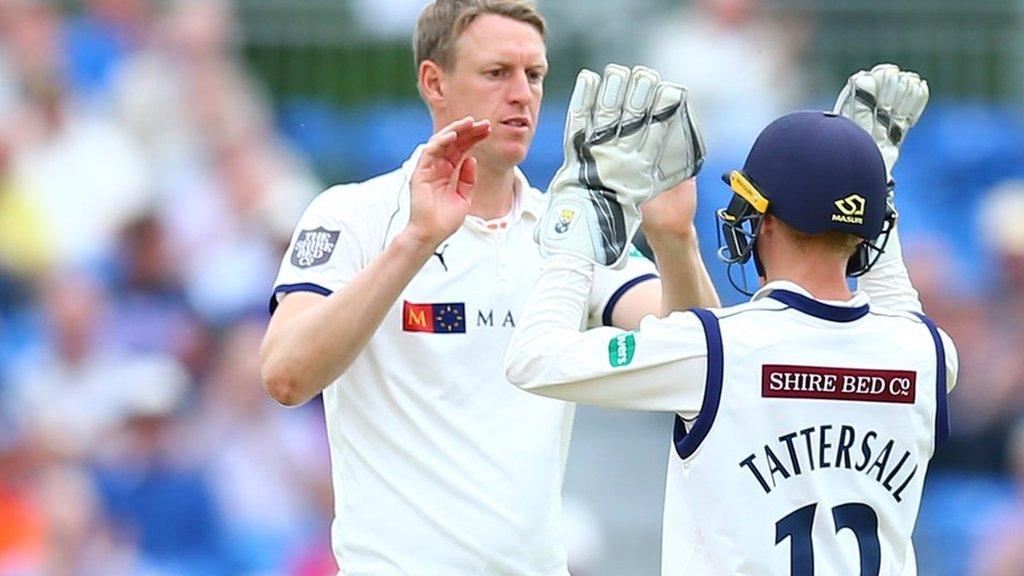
x,y
331,243
610,285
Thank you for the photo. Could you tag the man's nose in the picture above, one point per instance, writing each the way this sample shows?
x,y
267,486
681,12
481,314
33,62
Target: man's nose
x,y
519,90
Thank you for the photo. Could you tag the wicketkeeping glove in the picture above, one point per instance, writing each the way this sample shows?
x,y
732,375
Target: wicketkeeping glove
x,y
628,137
886,102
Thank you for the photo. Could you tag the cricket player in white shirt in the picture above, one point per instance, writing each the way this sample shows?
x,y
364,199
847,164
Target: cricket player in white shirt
x,y
398,296
806,418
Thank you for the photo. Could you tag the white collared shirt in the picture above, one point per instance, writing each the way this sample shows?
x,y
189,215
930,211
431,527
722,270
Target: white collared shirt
x,y
440,466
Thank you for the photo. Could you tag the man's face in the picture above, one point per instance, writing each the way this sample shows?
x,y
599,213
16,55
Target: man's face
x,y
498,75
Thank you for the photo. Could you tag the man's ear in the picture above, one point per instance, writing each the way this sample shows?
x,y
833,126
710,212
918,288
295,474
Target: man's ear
x,y
430,81
769,225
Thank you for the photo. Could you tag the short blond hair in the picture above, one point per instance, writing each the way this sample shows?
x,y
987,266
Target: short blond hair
x,y
840,243
442,22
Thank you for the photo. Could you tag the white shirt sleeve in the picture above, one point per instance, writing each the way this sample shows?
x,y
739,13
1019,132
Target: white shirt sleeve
x,y
660,367
332,242
888,282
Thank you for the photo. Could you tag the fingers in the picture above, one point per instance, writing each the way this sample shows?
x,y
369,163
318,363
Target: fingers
x,y
581,106
433,150
887,81
862,101
476,132
636,106
608,109
901,94
673,142
917,100
454,140
668,98
911,98
467,178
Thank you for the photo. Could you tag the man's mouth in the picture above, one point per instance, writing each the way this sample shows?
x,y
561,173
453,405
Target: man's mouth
x,y
520,122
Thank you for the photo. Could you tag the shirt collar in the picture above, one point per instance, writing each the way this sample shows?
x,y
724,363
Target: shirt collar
x,y
799,298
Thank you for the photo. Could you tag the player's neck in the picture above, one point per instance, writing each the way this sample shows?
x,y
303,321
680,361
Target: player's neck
x,y
494,192
825,279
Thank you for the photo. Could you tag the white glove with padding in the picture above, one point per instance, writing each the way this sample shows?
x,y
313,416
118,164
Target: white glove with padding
x,y
628,137
887,102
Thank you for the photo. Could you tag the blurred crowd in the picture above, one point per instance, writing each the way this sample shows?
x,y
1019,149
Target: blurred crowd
x,y
146,198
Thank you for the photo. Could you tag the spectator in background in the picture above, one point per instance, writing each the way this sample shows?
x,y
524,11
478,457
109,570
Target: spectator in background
x,y
975,443
264,455
153,314
229,190
740,66
240,246
81,170
24,255
65,389
152,486
988,328
999,225
79,540
122,204
24,525
1001,215
24,249
98,41
1001,549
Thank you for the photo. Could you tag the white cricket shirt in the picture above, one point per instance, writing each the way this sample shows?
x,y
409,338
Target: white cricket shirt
x,y
440,466
804,428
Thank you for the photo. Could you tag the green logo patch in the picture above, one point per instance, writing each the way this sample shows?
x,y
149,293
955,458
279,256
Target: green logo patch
x,y
621,349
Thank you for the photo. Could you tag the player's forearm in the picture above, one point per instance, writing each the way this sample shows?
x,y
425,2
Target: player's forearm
x,y
304,354
684,278
552,317
549,356
888,282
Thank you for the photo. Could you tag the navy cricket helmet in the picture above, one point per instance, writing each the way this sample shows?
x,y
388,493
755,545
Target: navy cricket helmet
x,y
818,172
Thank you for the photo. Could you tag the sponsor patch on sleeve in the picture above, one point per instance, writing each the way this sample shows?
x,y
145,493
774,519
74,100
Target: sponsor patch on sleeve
x,y
314,247
858,384
621,349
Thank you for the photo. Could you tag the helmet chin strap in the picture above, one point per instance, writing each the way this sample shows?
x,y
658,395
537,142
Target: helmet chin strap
x,y
758,266
742,284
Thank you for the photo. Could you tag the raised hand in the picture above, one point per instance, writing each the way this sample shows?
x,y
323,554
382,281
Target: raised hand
x,y
670,214
886,102
442,182
628,138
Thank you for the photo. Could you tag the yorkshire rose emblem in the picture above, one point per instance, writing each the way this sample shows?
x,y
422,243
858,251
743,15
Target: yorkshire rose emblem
x,y
314,247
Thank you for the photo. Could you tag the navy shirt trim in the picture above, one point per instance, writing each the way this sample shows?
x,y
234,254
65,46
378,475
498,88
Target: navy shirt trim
x,y
819,309
606,316
941,409
687,442
302,287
